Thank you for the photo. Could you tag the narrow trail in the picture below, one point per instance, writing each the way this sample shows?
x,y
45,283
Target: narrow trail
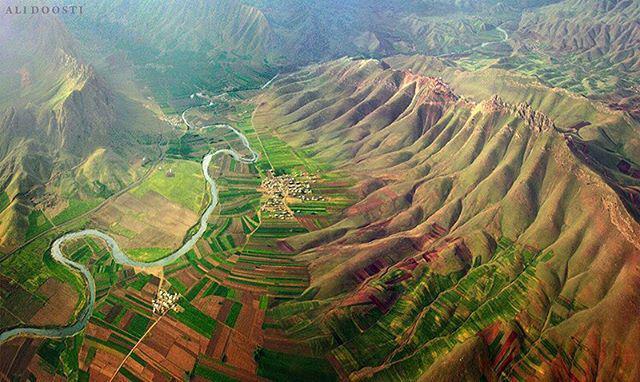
x,y
135,346
119,256
269,82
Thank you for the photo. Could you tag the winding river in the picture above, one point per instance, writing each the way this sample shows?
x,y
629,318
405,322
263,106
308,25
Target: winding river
x,y
504,33
119,256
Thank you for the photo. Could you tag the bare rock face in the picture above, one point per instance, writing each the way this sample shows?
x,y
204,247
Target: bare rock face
x,y
86,117
493,104
536,120
430,87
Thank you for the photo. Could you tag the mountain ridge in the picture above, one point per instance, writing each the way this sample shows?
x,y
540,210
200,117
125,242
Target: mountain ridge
x,y
443,200
57,112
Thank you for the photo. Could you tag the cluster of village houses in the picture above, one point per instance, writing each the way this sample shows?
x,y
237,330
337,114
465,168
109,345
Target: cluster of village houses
x,y
165,302
280,187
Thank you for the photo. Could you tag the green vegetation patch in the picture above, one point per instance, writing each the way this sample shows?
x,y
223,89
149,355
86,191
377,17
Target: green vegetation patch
x,y
221,291
278,366
194,319
4,201
138,325
129,375
118,229
82,254
193,292
75,208
211,375
148,254
179,181
38,223
50,351
264,302
233,314
178,285
141,280
211,289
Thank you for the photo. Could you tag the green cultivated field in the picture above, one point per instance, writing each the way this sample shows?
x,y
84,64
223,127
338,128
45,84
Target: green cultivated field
x,y
193,292
4,201
233,314
278,366
195,319
148,254
185,188
211,375
138,325
76,207
445,309
38,223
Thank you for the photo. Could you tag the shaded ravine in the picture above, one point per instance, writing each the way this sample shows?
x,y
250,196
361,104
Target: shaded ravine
x,y
120,257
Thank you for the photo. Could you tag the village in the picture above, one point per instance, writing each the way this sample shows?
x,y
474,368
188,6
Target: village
x,y
165,301
279,188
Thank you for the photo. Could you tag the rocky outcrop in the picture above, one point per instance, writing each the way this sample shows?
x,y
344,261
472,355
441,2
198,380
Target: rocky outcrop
x,y
85,119
536,120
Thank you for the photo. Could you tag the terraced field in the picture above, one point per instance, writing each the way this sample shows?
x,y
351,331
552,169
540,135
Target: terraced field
x,y
228,280
416,314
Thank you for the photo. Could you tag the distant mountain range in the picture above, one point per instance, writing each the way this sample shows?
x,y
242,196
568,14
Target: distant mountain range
x,y
294,32
593,30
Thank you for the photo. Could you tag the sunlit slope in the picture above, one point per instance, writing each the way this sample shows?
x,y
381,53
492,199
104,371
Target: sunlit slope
x,y
452,189
604,138
62,129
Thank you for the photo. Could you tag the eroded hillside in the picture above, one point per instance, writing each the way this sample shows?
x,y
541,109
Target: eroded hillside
x,y
455,192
